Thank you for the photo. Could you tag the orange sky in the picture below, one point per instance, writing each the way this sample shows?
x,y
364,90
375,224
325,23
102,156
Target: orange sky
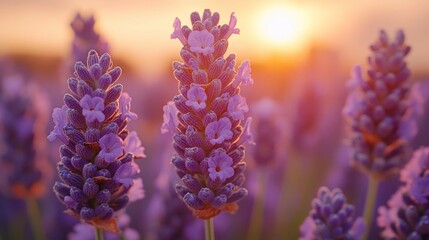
x,y
140,30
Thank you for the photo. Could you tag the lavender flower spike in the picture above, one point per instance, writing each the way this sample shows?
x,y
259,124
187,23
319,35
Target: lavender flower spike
x,y
379,109
331,218
97,168
207,121
86,37
24,169
407,213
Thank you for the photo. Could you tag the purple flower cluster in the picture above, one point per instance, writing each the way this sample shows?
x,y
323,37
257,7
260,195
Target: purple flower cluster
x,y
97,167
171,216
208,132
331,218
379,109
407,213
86,38
267,122
24,168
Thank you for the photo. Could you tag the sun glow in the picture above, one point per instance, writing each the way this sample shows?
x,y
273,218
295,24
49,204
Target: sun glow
x,y
281,25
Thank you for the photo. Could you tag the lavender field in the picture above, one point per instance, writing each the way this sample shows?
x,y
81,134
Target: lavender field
x,y
203,120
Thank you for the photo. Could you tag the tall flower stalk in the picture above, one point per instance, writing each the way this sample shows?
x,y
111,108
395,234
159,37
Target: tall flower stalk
x,y
86,37
379,112
407,213
331,217
209,133
23,159
98,172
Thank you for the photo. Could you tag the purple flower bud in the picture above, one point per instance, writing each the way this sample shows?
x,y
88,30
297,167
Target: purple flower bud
x,y
78,163
89,170
92,135
103,196
76,118
206,195
219,201
238,195
90,188
193,201
104,81
95,71
195,153
87,213
72,84
114,93
84,151
77,194
83,88
82,72
192,165
72,103
71,179
114,74
105,62
61,188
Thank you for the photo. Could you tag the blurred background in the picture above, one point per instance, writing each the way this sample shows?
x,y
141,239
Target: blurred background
x,y
301,54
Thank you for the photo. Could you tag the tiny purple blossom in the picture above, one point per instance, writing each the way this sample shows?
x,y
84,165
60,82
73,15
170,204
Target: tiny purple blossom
x,y
178,31
111,147
418,162
201,42
247,134
134,145
232,24
219,131
126,173
197,97
419,190
220,166
237,107
136,191
125,107
60,119
92,108
243,75
170,120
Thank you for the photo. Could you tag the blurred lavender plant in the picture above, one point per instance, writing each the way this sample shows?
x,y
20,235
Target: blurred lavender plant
x,y
97,168
170,217
23,159
209,135
266,112
86,38
407,213
331,218
379,109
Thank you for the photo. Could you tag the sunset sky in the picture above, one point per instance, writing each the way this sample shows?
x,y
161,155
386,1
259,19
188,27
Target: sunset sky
x,y
139,31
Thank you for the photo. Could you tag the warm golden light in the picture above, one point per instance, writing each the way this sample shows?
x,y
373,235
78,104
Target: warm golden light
x,y
281,26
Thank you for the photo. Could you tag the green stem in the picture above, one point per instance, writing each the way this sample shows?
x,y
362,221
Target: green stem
x,y
371,196
99,234
35,219
258,210
287,187
209,229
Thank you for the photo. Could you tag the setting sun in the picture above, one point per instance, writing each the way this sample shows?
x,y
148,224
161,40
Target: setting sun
x,y
281,25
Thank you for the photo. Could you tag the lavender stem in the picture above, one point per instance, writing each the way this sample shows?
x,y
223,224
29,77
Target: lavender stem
x,y
371,196
209,229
